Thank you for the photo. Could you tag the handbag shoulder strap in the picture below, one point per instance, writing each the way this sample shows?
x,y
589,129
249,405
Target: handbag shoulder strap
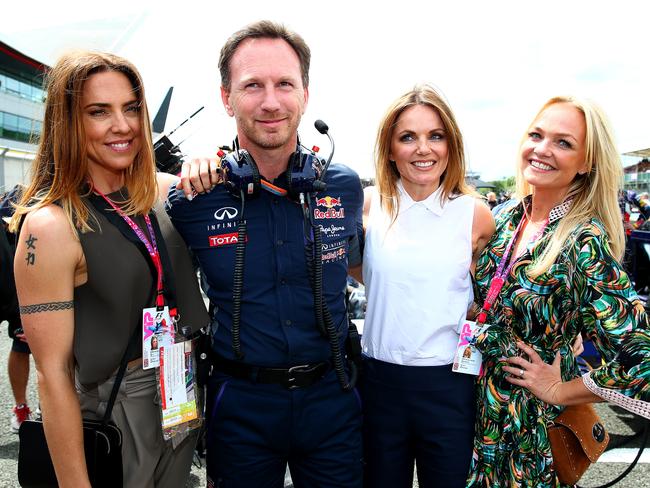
x,y
120,374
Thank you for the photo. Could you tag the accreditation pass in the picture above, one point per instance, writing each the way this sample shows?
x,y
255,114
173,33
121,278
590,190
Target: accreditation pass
x,y
177,384
468,359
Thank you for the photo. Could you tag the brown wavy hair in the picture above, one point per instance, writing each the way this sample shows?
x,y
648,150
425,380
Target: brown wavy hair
x,y
386,174
60,168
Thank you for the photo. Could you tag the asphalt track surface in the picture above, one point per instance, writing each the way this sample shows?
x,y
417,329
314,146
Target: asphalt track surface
x,y
619,423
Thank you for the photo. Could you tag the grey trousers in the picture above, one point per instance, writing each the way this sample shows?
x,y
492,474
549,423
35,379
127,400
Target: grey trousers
x,y
148,461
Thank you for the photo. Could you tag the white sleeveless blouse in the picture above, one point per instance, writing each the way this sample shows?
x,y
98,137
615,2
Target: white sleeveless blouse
x,y
416,273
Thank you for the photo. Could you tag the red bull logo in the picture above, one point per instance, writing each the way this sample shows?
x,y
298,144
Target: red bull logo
x,y
336,254
330,213
329,202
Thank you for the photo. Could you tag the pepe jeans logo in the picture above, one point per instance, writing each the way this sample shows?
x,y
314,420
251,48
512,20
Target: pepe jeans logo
x,y
225,213
332,230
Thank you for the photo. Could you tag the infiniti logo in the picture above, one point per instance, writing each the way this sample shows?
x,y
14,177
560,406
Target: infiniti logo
x,y
225,212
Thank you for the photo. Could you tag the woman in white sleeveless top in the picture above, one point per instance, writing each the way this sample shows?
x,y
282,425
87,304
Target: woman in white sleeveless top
x,y
424,231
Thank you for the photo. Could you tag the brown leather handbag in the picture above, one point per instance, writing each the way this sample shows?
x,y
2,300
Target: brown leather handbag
x,y
577,438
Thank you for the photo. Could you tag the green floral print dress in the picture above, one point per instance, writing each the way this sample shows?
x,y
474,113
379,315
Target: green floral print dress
x,y
584,291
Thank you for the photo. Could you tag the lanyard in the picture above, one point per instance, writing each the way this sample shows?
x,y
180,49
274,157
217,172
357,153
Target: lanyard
x,y
503,271
150,244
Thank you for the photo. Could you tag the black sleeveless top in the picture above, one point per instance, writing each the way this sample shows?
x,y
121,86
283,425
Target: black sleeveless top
x,y
120,284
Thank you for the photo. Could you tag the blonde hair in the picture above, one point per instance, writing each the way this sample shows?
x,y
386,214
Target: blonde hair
x,y
452,180
60,168
594,194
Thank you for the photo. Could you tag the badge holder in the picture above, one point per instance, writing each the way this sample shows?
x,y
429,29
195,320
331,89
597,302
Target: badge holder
x,y
157,333
468,358
180,403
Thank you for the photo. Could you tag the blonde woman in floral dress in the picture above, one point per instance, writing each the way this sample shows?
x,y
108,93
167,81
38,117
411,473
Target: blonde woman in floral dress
x,y
558,248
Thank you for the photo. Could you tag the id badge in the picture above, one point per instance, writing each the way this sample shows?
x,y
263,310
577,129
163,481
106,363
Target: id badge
x,y
157,332
468,359
177,395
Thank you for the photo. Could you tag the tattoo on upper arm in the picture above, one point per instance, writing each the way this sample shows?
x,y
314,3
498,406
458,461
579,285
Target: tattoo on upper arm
x,y
31,256
46,307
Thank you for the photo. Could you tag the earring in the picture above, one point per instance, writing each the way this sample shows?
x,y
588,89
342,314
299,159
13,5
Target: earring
x,y
391,161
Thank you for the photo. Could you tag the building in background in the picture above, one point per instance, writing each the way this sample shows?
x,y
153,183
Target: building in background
x,y
637,175
473,179
21,114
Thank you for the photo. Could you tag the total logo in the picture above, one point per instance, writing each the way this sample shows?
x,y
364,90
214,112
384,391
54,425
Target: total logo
x,y
223,239
330,203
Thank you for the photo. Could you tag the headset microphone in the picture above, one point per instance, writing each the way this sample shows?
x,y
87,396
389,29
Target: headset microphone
x,y
324,129
321,126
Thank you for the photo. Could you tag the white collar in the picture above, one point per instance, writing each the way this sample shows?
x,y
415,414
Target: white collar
x,y
431,203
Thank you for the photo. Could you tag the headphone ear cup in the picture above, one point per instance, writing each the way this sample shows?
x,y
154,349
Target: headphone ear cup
x,y
255,174
303,173
241,174
292,168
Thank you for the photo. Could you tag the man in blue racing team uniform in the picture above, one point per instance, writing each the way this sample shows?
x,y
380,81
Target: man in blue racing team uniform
x,y
276,394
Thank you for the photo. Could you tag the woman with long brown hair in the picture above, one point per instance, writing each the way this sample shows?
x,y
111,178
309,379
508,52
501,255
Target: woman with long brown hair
x,y
84,277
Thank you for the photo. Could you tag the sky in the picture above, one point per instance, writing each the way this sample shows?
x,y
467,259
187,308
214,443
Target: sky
x,y
495,62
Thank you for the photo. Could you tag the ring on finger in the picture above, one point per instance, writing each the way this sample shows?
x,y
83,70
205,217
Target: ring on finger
x,y
521,373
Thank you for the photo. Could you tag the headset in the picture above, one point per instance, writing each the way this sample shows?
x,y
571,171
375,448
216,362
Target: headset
x,y
305,175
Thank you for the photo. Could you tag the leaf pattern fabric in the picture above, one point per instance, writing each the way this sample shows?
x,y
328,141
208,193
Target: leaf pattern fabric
x,y
584,291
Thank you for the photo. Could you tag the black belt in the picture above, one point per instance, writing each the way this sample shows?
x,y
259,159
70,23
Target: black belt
x,y
291,378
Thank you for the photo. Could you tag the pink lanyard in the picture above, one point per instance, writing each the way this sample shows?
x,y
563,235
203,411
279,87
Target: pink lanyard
x,y
499,279
151,246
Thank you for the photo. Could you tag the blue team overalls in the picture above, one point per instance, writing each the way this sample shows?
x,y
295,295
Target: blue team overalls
x,y
257,419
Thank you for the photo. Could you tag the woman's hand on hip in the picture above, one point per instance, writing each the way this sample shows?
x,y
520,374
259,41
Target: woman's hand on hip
x,y
541,379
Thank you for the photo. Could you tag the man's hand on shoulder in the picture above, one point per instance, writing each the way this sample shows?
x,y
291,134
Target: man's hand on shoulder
x,y
199,176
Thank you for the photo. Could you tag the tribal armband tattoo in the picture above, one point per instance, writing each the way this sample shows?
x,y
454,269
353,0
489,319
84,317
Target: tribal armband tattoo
x,y
46,307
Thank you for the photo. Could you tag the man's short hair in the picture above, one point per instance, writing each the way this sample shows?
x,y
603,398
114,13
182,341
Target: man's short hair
x,y
264,29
